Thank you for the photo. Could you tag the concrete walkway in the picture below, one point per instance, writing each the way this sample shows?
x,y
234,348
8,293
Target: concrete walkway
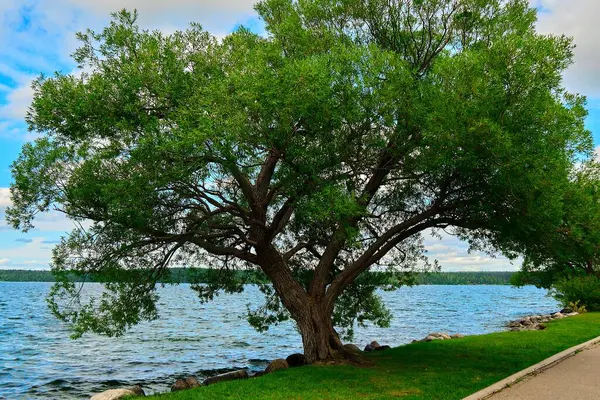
x,y
576,378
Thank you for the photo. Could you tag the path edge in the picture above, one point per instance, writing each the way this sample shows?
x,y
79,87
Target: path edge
x,y
533,370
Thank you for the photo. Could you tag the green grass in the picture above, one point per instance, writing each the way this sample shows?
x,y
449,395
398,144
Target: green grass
x,y
449,369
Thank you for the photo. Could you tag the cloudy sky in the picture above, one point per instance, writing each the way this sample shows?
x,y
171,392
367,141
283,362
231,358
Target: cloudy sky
x,y
37,36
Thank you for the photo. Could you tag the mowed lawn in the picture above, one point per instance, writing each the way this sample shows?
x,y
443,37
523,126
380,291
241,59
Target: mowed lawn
x,y
449,369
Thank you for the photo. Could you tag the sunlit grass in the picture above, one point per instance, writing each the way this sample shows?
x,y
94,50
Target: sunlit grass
x,y
449,369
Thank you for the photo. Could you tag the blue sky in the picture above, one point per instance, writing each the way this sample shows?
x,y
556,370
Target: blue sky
x,y
37,36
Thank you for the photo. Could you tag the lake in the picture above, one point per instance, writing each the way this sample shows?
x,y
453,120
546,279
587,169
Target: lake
x,y
39,361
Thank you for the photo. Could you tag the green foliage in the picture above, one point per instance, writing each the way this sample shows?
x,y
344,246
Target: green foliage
x,y
581,291
574,306
440,370
571,249
313,154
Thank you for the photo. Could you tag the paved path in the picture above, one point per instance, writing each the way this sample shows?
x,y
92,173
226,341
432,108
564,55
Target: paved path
x,y
576,378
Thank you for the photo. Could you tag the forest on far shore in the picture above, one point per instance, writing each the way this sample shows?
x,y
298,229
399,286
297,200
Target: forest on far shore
x,y
182,275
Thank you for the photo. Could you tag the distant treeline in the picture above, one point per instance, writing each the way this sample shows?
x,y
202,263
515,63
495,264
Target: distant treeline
x,y
182,275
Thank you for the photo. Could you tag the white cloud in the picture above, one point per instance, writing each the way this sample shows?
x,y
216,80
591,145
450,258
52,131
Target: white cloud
x,y
4,261
453,255
18,101
4,197
579,19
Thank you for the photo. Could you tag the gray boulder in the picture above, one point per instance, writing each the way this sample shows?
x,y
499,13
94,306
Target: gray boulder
x,y
296,360
118,394
382,348
430,338
352,348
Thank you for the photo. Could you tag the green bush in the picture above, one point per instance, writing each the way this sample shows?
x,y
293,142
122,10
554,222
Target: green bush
x,y
582,290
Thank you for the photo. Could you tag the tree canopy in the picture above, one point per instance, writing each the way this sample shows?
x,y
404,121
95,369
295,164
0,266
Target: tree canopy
x,y
573,247
312,154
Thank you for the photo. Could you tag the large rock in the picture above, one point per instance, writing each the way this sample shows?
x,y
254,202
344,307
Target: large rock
x,y
438,336
186,383
382,348
230,376
352,348
371,346
296,360
277,365
118,394
430,338
557,315
457,336
514,324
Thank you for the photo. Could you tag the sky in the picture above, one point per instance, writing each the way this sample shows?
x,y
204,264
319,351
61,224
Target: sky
x,y
37,36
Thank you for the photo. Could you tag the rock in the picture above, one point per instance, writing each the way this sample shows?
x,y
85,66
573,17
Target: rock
x,y
382,348
525,322
557,315
258,374
277,365
445,336
457,336
230,376
369,348
571,314
296,360
415,341
514,324
352,348
429,338
192,382
118,394
375,344
540,327
180,384
185,383
565,310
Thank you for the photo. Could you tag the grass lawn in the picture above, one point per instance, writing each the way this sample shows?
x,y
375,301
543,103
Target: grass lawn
x,y
449,369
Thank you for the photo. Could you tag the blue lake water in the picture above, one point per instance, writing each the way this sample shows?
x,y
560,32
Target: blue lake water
x,y
39,361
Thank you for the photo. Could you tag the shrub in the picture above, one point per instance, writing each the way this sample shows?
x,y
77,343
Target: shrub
x,y
583,291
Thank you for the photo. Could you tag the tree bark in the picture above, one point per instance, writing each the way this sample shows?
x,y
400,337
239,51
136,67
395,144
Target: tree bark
x,y
319,338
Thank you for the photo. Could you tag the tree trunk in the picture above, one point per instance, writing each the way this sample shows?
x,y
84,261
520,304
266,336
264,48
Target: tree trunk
x,y
321,341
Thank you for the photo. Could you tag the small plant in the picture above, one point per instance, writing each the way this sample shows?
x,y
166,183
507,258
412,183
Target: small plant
x,y
576,293
574,306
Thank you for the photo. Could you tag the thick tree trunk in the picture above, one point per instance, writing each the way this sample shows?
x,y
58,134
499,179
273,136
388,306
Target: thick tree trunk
x,y
314,319
321,341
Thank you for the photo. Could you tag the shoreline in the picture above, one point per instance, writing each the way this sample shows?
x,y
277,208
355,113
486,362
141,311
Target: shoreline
x,y
185,382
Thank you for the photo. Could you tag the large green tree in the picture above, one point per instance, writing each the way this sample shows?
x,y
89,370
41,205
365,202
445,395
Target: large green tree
x,y
312,154
572,248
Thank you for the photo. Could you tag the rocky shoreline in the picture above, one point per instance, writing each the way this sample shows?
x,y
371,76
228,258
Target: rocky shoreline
x,y
528,323
536,322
